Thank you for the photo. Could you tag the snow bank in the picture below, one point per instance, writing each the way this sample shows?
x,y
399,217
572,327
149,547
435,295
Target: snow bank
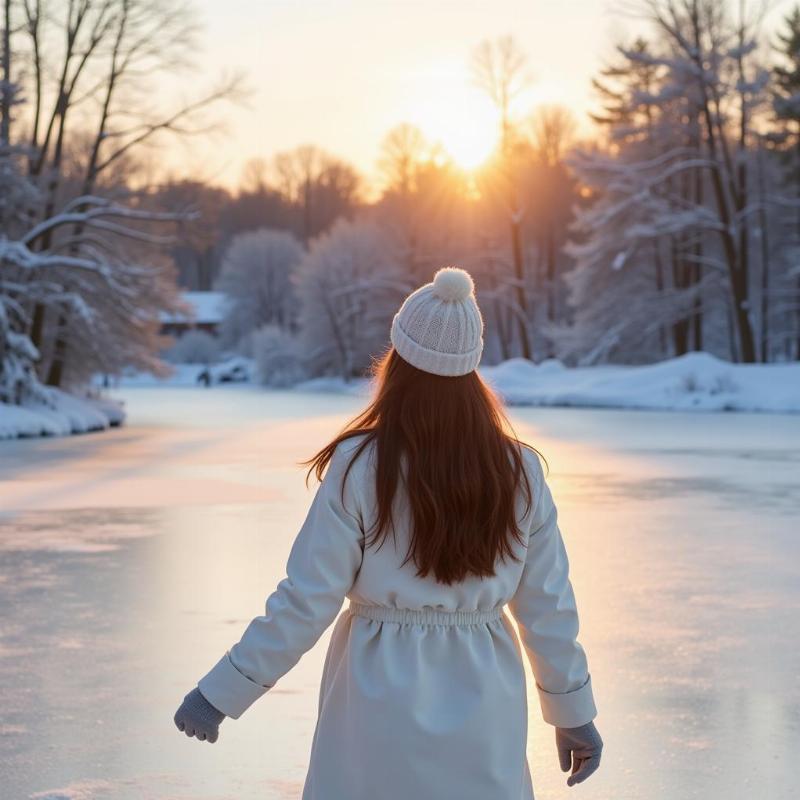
x,y
696,381
64,414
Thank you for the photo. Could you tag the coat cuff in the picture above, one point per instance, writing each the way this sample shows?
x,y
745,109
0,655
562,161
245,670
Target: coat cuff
x,y
568,709
229,690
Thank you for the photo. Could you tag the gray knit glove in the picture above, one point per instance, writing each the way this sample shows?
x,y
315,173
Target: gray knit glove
x,y
197,717
579,748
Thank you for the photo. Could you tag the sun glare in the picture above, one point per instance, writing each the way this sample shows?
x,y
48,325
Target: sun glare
x,y
471,144
462,121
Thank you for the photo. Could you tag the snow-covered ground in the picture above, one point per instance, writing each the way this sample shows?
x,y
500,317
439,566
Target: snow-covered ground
x,y
62,415
130,561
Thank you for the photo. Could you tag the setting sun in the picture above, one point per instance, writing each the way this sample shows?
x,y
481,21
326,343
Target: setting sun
x,y
466,133
457,116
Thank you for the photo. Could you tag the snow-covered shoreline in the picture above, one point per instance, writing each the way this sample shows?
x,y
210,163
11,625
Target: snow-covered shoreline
x,y
693,382
66,414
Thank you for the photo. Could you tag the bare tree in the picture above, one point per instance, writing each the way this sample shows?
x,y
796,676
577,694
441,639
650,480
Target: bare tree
x,y
255,176
349,285
93,68
402,150
499,69
323,186
552,133
108,280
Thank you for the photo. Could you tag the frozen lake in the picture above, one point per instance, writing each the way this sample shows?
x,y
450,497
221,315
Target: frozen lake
x,y
130,560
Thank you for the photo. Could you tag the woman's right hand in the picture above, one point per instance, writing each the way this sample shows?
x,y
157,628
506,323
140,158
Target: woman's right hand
x,y
579,748
197,717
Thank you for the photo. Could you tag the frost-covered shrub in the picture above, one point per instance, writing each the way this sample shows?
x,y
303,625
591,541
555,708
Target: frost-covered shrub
x,y
256,275
278,356
194,347
349,285
689,383
724,384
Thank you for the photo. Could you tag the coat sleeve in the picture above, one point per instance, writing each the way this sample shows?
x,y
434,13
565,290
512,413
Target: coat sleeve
x,y
322,567
544,608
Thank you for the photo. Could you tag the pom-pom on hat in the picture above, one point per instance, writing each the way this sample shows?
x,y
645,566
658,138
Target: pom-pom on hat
x,y
439,328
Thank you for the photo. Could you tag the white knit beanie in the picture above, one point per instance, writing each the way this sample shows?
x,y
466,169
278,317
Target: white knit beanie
x,y
439,328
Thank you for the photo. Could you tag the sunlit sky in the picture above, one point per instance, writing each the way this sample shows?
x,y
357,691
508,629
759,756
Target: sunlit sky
x,y
341,73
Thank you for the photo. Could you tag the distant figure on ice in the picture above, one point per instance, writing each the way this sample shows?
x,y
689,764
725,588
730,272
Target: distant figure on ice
x,y
431,517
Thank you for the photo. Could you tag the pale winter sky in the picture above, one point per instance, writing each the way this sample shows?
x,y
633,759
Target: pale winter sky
x,y
341,73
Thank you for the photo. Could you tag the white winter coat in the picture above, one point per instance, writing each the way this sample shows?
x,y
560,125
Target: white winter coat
x,y
423,691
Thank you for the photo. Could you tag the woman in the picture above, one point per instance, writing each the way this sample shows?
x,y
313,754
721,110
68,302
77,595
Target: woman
x,y
430,518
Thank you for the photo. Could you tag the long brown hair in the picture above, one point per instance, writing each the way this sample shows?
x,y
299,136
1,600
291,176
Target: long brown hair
x,y
464,466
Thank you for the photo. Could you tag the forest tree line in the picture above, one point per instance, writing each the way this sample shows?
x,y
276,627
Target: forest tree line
x,y
674,227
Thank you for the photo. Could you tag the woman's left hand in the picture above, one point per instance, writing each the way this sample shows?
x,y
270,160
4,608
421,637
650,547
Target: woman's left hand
x,y
579,748
197,717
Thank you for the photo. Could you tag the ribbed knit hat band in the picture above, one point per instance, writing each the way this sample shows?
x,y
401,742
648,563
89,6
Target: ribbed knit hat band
x,y
439,328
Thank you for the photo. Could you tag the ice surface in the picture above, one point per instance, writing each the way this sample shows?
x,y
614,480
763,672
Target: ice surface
x,y
130,561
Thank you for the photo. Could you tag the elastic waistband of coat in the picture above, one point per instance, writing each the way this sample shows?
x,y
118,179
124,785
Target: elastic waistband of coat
x,y
423,616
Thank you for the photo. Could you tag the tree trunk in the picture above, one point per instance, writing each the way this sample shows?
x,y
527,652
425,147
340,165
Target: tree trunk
x,y
37,326
741,311
737,267
502,338
732,338
659,277
762,219
307,222
797,186
697,312
55,374
697,268
736,261
5,95
519,274
680,328
551,280
500,315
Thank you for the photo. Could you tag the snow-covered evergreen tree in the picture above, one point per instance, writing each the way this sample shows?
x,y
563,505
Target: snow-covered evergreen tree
x,y
680,189
783,319
629,288
18,356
